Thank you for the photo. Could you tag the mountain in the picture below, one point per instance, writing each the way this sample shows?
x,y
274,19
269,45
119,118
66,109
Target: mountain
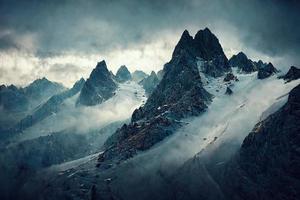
x,y
98,87
123,74
138,75
292,74
267,71
149,83
13,99
242,62
246,65
178,95
206,48
41,89
267,164
50,107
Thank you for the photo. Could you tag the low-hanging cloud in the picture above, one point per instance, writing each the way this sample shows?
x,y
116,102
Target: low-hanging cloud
x,y
50,29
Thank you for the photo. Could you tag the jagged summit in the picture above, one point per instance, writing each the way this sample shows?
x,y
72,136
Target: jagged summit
x,y
150,82
266,71
98,87
178,95
205,47
243,63
123,74
292,74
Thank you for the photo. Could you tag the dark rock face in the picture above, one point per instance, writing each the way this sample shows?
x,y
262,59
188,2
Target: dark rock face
x,y
267,165
123,74
50,107
242,62
292,74
138,75
98,87
205,46
228,91
149,83
181,85
178,95
266,71
230,77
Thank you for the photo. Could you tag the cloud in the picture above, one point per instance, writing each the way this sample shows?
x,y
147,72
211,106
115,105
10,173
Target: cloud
x,y
145,32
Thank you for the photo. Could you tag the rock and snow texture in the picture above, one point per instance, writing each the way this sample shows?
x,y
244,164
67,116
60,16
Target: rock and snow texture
x,y
98,87
292,74
227,121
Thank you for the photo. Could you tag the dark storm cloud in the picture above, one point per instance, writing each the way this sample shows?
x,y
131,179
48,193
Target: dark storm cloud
x,y
270,26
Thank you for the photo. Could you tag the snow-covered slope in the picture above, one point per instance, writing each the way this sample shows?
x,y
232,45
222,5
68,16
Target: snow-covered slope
x,y
228,118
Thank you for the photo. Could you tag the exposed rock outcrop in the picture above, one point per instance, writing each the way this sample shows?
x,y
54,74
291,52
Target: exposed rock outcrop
x,y
266,71
98,87
243,63
179,94
205,47
292,74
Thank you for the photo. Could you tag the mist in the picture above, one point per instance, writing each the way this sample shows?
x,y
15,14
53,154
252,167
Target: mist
x,y
228,119
85,119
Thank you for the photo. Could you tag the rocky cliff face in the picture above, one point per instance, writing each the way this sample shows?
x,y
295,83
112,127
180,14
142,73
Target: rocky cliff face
x,y
149,83
267,165
204,46
292,74
98,87
243,63
123,74
266,71
178,95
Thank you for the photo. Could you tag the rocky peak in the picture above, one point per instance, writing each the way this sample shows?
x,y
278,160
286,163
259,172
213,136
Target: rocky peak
x,y
207,45
123,74
149,83
266,71
243,63
204,46
292,74
98,87
179,94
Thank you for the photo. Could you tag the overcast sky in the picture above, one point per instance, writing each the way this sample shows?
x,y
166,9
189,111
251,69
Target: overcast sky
x,y
64,39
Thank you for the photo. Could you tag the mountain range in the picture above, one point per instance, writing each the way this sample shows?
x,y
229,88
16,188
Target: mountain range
x,y
203,127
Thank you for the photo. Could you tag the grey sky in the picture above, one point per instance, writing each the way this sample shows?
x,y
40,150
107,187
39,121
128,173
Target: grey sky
x,y
47,38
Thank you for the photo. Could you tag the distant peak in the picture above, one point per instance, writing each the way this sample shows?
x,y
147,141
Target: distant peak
x,y
153,73
101,64
186,36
